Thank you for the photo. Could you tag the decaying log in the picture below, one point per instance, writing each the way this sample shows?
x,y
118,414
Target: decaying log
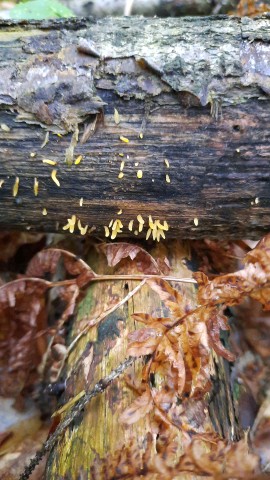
x,y
192,91
98,433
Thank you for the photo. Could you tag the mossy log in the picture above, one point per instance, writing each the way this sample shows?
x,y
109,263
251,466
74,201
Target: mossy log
x,y
192,91
98,433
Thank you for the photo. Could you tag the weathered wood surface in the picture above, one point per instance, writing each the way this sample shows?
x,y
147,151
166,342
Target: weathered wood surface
x,y
98,432
198,88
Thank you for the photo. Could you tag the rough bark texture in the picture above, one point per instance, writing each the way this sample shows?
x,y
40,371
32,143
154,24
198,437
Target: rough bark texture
x,y
98,432
164,76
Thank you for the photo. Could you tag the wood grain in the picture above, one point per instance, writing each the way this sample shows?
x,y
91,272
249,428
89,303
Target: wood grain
x,y
197,88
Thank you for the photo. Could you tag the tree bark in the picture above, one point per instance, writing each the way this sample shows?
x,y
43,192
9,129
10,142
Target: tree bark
x,y
98,431
197,90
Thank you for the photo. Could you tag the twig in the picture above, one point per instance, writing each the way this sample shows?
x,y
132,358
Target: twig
x,y
73,413
100,278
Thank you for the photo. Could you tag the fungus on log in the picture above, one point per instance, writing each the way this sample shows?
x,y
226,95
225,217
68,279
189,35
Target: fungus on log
x,y
162,118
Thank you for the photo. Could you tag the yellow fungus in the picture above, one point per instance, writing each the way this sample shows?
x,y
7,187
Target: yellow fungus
x,y
71,222
141,135
196,221
46,139
54,178
16,187
140,219
107,231
120,175
256,200
82,229
36,186
33,154
136,232
2,183
149,231
110,224
130,225
78,160
5,128
120,212
136,164
168,180
116,116
124,139
167,163
81,201
44,211
140,227
122,166
49,162
120,154
139,173
59,135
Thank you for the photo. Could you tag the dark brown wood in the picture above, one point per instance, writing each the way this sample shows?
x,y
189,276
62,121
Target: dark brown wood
x,y
197,88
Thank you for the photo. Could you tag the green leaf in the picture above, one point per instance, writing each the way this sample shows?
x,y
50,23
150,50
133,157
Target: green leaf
x,y
40,10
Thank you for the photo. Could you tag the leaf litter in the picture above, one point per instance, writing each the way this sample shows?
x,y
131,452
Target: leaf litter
x,y
176,374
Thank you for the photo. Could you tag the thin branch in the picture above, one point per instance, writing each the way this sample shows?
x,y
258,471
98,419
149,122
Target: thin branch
x,y
100,278
73,413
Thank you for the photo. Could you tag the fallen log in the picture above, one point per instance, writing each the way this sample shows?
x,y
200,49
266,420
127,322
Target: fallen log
x,y
154,117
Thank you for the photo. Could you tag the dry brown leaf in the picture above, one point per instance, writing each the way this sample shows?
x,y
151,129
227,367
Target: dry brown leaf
x,y
115,252
48,260
216,321
253,280
145,340
141,406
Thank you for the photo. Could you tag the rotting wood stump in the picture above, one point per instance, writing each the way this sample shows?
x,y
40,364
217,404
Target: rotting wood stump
x,y
193,91
98,432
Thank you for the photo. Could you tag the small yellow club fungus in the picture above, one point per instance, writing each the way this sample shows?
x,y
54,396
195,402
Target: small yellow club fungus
x,y
130,225
49,162
16,187
33,154
166,161
196,221
46,139
136,232
139,174
54,178
256,201
120,212
82,229
120,175
122,166
168,180
141,222
136,164
107,231
78,160
81,201
116,116
35,188
5,128
71,222
116,228
141,135
44,212
124,139
120,154
2,183
156,229
110,224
